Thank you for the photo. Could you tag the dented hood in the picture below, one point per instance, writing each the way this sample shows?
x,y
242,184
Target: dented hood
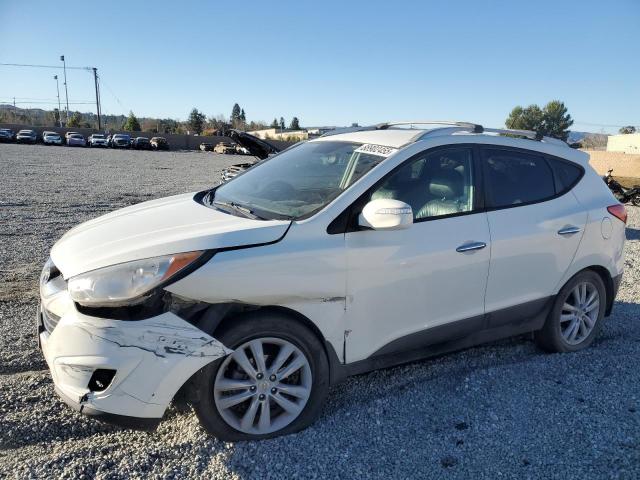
x,y
158,227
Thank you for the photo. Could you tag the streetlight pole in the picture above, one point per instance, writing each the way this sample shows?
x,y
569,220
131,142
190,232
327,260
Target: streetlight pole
x,y
58,90
66,92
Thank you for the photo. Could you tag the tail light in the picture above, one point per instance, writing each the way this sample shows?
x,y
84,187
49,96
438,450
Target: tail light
x,y
619,212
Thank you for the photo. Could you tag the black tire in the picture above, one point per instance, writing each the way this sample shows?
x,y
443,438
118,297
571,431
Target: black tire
x,y
635,200
262,325
550,338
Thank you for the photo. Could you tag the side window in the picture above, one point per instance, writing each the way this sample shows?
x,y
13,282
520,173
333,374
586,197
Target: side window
x,y
435,183
567,174
513,178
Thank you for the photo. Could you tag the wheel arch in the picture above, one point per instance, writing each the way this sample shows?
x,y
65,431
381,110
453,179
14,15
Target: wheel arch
x,y
609,286
226,320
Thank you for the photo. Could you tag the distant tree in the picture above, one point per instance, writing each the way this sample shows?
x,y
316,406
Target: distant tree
x,y
295,124
594,141
252,125
131,124
552,120
627,130
282,123
196,121
557,120
529,118
275,123
243,117
53,118
235,113
219,124
75,120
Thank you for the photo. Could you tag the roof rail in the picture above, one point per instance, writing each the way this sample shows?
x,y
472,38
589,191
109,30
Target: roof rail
x,y
338,131
450,127
474,127
527,134
461,127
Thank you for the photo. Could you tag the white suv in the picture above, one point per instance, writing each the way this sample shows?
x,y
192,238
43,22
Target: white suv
x,y
341,255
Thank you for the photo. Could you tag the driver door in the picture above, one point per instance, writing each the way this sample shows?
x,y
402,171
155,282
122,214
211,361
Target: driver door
x,y
425,284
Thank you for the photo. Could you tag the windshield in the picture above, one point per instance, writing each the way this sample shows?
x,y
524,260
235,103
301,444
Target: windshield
x,y
296,183
95,135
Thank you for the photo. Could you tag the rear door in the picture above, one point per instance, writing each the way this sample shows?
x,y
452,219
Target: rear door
x,y
536,224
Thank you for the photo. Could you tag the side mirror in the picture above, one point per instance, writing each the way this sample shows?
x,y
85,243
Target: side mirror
x,y
386,214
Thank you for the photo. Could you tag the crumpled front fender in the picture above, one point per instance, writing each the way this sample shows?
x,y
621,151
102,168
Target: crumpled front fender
x,y
153,358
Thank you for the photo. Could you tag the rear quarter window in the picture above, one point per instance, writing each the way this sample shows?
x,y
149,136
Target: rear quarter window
x,y
515,178
567,174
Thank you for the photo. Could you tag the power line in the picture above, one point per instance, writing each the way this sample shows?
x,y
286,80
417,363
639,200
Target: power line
x,y
102,82
42,66
45,103
590,124
45,99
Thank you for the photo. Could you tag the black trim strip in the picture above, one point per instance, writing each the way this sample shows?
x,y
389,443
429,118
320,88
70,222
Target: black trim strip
x,y
453,336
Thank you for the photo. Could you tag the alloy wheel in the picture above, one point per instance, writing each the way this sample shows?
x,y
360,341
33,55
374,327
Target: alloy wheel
x,y
262,386
579,313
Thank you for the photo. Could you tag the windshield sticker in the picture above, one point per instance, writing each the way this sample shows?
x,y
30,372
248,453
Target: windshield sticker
x,y
381,150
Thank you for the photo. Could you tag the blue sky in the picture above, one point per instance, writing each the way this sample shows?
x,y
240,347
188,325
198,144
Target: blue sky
x,y
333,63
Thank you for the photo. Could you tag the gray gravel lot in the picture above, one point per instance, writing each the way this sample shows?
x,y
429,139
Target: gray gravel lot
x,y
503,410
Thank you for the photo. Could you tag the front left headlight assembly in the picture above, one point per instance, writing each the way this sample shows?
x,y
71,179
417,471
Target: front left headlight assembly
x,y
127,283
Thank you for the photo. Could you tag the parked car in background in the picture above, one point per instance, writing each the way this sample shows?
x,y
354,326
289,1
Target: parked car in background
x,y
225,147
430,241
6,135
159,143
121,140
141,143
26,136
206,147
68,134
51,138
76,140
97,140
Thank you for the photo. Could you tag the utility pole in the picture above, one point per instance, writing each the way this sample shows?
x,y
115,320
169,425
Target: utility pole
x,y
66,92
58,90
95,79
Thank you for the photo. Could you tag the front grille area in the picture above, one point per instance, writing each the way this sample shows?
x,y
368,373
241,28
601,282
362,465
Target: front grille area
x,y
50,320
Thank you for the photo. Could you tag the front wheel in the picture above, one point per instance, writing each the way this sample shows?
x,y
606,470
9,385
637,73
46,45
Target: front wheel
x,y
576,316
274,383
635,200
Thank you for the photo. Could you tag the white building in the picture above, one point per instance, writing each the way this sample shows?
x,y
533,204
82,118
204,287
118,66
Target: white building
x,y
629,143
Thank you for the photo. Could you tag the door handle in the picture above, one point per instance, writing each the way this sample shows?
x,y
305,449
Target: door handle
x,y
569,230
468,247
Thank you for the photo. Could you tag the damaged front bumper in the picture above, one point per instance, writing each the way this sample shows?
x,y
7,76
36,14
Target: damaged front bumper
x,y
123,372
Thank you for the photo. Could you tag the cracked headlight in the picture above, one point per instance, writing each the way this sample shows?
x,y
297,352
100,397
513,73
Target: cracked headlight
x,y
127,283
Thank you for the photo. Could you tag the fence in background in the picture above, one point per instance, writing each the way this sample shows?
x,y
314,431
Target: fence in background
x,y
623,164
176,142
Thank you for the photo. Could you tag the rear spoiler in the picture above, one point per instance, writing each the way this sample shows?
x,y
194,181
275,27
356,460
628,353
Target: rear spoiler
x,y
256,146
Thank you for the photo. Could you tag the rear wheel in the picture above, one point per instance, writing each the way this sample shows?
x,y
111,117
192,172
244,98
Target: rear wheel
x,y
274,383
636,199
576,316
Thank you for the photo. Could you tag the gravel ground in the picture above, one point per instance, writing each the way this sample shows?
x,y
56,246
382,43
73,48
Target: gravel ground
x,y
503,410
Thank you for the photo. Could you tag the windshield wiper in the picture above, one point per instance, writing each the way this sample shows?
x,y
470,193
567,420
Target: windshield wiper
x,y
237,208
